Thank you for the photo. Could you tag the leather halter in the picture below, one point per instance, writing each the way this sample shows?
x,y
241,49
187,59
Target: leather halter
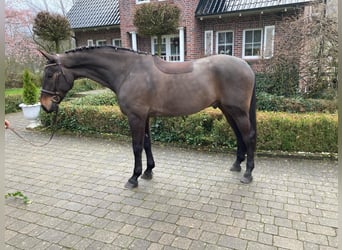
x,y
56,96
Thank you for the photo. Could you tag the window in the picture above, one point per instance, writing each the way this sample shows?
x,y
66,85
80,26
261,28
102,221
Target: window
x,y
269,42
90,43
116,42
142,1
252,41
101,42
224,42
170,48
208,42
162,49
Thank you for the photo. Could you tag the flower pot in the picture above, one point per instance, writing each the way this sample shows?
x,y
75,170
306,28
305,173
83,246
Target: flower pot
x,y
31,113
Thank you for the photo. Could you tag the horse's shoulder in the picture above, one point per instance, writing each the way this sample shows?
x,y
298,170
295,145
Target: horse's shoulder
x,y
173,67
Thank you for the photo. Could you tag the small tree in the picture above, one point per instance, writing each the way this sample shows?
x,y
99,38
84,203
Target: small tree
x,y
306,53
157,19
30,91
51,27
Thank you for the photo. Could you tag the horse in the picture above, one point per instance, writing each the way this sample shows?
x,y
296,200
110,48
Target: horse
x,y
147,86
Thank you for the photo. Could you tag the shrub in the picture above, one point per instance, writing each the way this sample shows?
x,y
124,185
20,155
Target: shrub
x,y
276,131
268,102
30,91
83,85
12,103
107,98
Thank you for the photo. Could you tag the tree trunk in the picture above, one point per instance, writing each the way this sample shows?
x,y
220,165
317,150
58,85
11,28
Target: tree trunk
x,y
57,46
159,43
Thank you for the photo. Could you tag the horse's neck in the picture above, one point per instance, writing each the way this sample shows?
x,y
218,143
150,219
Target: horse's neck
x,y
104,69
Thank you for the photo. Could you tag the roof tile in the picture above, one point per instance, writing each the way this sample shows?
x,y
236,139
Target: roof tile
x,y
94,13
214,7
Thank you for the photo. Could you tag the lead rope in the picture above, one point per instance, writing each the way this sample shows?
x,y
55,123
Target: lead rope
x,y
54,124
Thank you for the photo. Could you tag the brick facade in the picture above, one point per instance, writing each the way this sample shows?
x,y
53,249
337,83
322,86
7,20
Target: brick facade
x,y
108,34
194,28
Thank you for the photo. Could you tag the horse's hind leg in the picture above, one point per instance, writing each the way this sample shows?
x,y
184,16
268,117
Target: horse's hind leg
x,y
248,134
245,135
148,174
241,148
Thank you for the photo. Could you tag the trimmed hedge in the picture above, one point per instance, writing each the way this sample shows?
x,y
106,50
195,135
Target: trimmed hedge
x,y
268,102
276,131
12,103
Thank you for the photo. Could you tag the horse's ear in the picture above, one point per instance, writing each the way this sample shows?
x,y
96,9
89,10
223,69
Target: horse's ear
x,y
50,58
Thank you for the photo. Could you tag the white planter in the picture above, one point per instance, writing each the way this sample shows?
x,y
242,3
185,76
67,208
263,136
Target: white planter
x,y
31,113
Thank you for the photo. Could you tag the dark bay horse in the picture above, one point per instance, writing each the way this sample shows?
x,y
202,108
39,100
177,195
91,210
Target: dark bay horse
x,y
147,86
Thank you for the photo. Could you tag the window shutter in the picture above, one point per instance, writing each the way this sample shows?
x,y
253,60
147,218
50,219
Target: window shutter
x,y
208,42
269,41
90,43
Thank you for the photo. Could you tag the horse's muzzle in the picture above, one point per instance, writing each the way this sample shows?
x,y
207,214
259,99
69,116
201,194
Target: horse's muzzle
x,y
53,108
49,104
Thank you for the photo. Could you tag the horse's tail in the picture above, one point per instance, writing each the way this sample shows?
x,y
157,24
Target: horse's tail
x,y
252,116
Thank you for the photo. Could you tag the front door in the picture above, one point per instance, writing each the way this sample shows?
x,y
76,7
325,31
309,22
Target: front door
x,y
169,48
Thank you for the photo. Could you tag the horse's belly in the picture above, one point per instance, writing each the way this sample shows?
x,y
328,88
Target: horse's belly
x,y
181,107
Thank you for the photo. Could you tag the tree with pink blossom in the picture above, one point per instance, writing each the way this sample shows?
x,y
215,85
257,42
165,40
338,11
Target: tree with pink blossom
x,y
20,49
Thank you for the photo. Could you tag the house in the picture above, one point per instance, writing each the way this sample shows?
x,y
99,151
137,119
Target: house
x,y
243,28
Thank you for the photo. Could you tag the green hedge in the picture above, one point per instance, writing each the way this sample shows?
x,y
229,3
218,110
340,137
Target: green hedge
x,y
276,131
265,102
268,102
12,103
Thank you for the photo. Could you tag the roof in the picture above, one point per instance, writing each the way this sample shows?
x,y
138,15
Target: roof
x,y
94,13
215,7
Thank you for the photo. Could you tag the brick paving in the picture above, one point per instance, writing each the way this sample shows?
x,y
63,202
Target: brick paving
x,y
76,185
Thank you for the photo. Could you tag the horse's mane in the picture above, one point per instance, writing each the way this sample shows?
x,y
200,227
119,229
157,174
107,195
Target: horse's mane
x,y
115,48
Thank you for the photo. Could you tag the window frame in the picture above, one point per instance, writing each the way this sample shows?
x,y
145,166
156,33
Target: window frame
x,y
115,40
101,41
217,41
141,1
168,55
244,44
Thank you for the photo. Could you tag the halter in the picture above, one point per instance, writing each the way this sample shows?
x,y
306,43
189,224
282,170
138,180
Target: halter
x,y
56,96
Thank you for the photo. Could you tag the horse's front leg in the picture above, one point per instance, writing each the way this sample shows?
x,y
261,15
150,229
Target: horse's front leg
x,y
148,174
137,126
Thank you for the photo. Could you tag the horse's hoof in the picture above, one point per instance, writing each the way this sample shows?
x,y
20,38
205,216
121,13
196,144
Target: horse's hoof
x,y
246,179
235,168
131,184
148,175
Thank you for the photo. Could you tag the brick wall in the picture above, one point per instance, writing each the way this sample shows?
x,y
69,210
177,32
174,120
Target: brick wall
x,y
237,24
82,36
194,28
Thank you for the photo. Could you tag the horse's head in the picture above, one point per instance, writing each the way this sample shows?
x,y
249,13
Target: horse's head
x,y
57,81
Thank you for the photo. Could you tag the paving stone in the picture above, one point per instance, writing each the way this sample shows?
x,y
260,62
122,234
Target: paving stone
x,y
288,243
194,202
232,242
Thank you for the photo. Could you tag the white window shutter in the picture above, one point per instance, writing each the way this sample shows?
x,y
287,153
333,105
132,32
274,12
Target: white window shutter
x,y
90,42
269,41
208,42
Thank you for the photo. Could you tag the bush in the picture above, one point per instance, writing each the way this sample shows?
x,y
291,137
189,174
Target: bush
x,y
30,91
12,103
83,85
89,119
107,98
268,102
276,131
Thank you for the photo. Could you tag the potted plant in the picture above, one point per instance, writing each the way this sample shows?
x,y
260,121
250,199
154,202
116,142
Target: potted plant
x,y
31,104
